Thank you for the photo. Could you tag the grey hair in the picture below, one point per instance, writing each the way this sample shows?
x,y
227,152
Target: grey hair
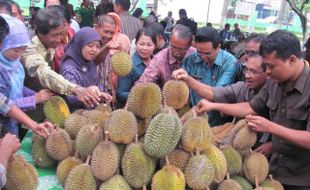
x,y
47,20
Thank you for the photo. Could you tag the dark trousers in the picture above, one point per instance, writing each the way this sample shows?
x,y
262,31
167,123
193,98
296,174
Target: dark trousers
x,y
292,187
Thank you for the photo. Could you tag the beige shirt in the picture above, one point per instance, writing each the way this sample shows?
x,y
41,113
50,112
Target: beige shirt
x,y
37,61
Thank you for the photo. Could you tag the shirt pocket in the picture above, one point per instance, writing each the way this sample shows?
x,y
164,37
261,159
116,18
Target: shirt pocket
x,y
298,118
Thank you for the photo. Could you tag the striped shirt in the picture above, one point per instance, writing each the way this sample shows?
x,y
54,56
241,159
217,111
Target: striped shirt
x,y
130,25
5,104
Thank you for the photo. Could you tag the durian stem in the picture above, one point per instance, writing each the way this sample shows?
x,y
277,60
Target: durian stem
x,y
88,160
136,138
228,176
106,136
234,120
208,188
76,154
126,106
256,182
271,178
197,152
194,112
144,187
251,151
167,160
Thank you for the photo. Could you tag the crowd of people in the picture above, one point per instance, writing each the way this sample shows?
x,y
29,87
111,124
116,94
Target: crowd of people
x,y
264,80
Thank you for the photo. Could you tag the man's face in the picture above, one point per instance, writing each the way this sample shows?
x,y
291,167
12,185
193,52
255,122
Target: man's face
x,y
52,2
106,31
206,51
255,76
251,47
16,14
277,69
117,8
53,38
178,47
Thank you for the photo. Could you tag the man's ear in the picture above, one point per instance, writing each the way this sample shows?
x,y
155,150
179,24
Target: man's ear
x,y
292,60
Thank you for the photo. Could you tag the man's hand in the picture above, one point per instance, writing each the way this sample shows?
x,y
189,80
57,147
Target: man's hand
x,y
89,96
107,97
258,123
204,106
43,95
8,145
180,74
43,129
112,45
265,148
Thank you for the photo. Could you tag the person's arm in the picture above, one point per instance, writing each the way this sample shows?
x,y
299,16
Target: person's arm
x,y
124,84
203,90
8,145
239,109
151,72
298,137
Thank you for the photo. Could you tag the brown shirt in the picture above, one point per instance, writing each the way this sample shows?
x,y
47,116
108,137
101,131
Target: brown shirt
x,y
130,25
289,163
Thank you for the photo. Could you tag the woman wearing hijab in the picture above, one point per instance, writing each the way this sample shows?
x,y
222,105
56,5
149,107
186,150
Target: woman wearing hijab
x,y
108,26
78,66
12,75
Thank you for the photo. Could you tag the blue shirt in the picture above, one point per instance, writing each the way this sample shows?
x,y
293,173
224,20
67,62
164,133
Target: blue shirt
x,y
124,84
221,73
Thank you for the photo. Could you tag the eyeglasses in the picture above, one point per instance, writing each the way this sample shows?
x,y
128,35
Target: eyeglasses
x,y
251,51
178,49
208,54
252,72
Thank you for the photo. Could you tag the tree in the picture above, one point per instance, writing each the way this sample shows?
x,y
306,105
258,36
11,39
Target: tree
x,y
301,7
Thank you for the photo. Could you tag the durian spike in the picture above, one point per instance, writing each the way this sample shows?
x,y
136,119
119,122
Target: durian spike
x,y
106,136
167,160
136,138
197,152
234,120
256,182
228,176
88,160
144,187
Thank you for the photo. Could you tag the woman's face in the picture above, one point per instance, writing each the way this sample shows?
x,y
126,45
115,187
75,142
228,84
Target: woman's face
x,y
14,53
145,47
90,50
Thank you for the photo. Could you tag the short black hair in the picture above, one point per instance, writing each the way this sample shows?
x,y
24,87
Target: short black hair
x,y
63,11
6,6
207,34
182,12
4,29
47,20
147,32
137,13
256,37
227,25
149,20
254,55
157,28
125,4
283,43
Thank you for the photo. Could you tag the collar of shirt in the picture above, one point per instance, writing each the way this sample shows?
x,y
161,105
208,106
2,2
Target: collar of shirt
x,y
218,60
124,14
301,81
136,60
172,60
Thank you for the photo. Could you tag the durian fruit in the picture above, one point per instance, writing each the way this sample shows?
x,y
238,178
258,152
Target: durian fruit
x,y
244,139
105,159
175,93
162,135
243,182
122,126
65,166
116,182
87,139
75,122
39,155
97,117
142,125
191,114
21,175
81,178
229,184
56,110
169,177
121,63
229,137
256,168
199,172
272,183
137,166
58,144
178,158
219,132
218,160
168,109
233,158
196,135
104,108
145,100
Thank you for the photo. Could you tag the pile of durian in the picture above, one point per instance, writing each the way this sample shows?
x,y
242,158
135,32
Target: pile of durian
x,y
144,146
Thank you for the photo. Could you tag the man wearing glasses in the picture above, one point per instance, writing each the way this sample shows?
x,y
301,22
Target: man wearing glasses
x,y
252,43
243,91
210,65
169,59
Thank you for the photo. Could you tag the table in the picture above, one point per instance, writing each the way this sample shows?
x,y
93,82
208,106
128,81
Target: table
x,y
47,176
